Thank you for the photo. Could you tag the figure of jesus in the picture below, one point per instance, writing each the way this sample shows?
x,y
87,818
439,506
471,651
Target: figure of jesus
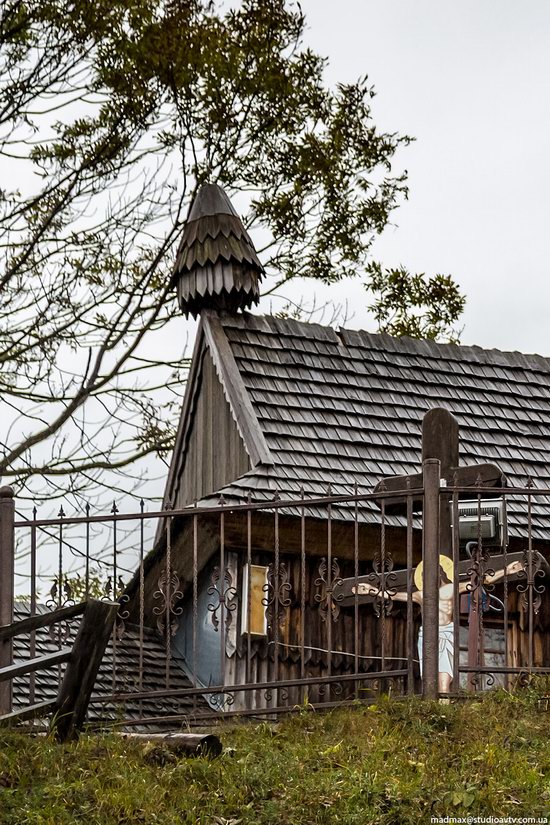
x,y
446,621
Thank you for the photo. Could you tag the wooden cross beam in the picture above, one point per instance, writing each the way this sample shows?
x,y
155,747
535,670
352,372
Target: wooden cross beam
x,y
361,590
440,440
345,589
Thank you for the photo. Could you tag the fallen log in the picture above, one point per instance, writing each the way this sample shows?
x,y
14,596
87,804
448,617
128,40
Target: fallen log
x,y
181,744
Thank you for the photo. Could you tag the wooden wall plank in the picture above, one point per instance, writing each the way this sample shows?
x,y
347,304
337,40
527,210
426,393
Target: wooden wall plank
x,y
215,452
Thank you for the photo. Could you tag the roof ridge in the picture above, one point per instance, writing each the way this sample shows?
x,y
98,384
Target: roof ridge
x,y
424,346
419,344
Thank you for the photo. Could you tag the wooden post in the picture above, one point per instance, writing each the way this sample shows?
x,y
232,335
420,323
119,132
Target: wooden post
x,y
7,562
431,470
440,439
79,679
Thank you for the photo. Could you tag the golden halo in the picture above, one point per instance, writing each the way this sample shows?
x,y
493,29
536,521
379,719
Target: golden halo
x,y
445,562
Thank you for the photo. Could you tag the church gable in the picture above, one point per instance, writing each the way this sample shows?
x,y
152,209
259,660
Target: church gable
x,y
211,452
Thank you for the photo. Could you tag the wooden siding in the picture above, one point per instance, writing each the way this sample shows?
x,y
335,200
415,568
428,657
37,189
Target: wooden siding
x,y
213,453
261,667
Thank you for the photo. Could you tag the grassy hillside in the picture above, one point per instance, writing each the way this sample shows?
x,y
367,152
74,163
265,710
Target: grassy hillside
x,y
397,762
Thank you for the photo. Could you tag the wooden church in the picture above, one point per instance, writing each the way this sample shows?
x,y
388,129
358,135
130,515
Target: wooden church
x,y
279,410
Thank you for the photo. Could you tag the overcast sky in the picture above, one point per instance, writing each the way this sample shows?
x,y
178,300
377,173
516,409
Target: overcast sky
x,y
471,82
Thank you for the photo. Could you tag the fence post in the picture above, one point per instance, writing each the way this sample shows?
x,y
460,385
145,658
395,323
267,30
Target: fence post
x,y
431,471
78,682
7,561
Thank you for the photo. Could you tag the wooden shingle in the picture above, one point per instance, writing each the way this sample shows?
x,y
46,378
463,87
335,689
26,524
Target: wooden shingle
x,y
346,407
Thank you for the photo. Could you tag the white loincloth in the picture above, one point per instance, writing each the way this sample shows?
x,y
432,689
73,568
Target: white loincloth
x,y
446,648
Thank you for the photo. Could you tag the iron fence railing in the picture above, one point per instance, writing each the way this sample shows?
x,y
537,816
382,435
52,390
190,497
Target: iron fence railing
x,y
255,607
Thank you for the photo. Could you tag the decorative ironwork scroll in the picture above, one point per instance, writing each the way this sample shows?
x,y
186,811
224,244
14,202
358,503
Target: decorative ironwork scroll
x,y
324,597
221,701
478,570
382,578
116,593
277,593
225,596
169,595
532,570
61,595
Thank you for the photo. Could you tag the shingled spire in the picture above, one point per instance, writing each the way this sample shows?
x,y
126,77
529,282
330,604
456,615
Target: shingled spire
x,y
216,266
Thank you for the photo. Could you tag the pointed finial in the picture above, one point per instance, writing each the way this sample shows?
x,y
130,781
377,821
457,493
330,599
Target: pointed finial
x,y
216,266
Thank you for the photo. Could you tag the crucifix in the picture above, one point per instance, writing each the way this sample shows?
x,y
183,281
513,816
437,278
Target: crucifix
x,y
433,579
440,441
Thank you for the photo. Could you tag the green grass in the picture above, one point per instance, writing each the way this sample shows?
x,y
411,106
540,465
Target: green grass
x,y
397,762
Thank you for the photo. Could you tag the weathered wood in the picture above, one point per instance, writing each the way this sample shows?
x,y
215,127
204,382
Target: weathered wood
x,y
43,620
205,457
342,535
7,561
194,464
235,539
440,440
182,554
32,665
216,265
237,394
475,640
186,744
80,675
430,579
210,451
37,711
178,456
487,475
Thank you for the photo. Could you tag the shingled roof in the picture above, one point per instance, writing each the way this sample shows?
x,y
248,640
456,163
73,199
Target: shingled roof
x,y
345,407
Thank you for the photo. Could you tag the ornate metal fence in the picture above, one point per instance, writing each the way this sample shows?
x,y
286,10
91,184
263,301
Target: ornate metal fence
x,y
255,608
504,582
